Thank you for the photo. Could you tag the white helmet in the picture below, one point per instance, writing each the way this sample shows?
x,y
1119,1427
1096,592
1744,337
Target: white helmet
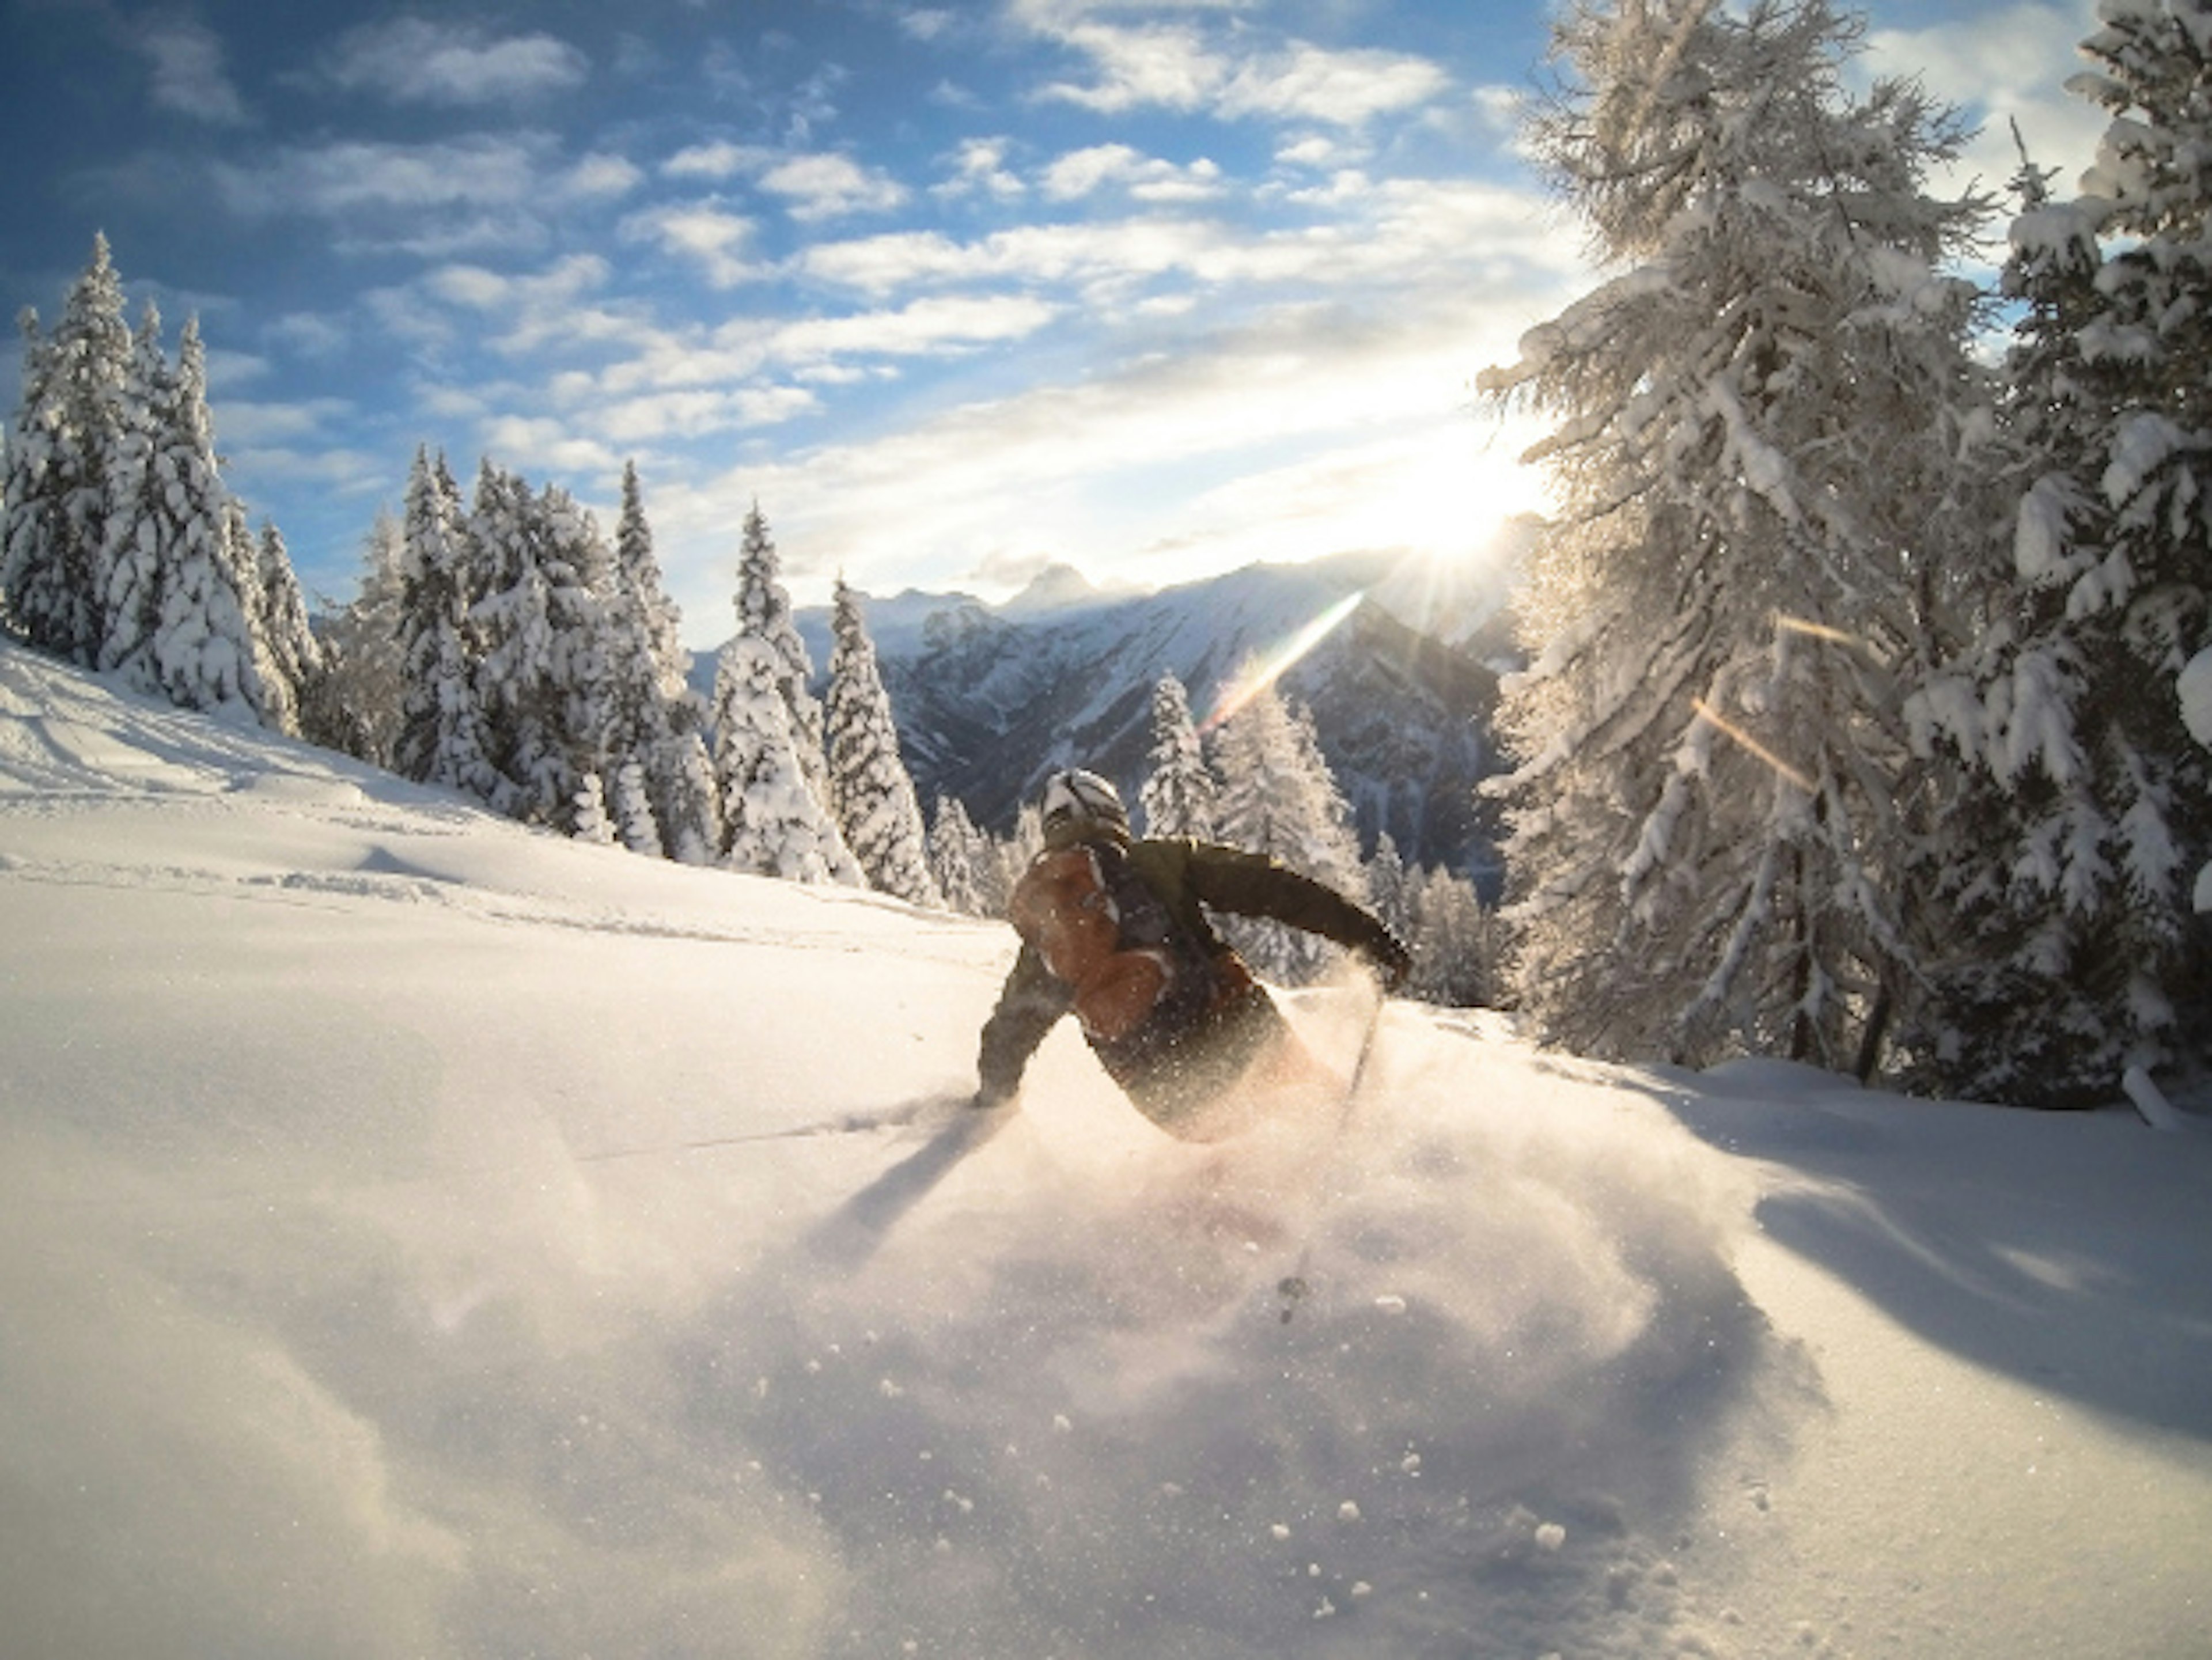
x,y
1074,800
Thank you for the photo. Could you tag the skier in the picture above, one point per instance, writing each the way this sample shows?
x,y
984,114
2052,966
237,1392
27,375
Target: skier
x,y
1112,928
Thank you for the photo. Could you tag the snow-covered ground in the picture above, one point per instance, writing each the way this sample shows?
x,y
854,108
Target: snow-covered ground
x,y
419,1237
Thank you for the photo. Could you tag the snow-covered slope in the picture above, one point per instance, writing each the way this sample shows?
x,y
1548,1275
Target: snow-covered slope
x,y
419,1236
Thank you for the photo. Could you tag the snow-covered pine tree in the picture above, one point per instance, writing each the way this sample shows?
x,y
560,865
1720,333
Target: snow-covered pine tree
x,y
294,654
671,728
964,861
1454,942
870,792
1391,888
543,676
1179,792
53,570
357,703
774,823
442,738
764,612
140,525
1279,798
185,612
640,655
1768,458
2079,951
587,813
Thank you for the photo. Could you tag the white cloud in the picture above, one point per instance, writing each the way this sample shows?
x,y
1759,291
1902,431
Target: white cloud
x,y
2002,68
978,165
190,78
1173,66
1313,150
348,176
1166,66
716,161
1344,88
1499,108
931,325
483,194
701,413
1402,232
417,60
603,175
536,444
1147,178
704,234
307,334
823,186
263,425
829,186
340,472
1040,253
1317,425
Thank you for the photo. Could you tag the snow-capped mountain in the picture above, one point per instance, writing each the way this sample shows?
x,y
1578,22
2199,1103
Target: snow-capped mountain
x,y
989,699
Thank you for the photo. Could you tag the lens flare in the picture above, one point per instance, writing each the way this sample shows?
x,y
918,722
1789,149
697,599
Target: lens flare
x,y
1782,767
1275,665
1789,624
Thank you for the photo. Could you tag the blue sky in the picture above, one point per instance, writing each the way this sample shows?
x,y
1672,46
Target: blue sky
x,y
953,290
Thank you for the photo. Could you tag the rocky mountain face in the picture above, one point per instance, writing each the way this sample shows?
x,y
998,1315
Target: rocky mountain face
x,y
990,699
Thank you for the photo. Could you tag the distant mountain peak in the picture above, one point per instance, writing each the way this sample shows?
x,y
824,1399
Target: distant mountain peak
x,y
1058,587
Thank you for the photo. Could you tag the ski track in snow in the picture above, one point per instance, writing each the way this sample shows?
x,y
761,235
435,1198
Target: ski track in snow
x,y
423,1236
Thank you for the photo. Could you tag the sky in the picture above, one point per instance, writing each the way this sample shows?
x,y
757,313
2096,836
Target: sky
x,y
1157,288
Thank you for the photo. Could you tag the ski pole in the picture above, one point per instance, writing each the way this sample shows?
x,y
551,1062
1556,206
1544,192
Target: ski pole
x,y
1293,1285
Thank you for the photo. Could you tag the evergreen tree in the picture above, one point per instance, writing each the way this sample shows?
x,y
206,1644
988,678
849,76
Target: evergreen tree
x,y
638,617
654,716
296,655
442,738
1179,794
358,703
1776,531
694,834
871,793
964,861
764,612
1278,797
2080,953
185,594
61,445
774,823
541,679
587,814
1453,941
1391,888
141,525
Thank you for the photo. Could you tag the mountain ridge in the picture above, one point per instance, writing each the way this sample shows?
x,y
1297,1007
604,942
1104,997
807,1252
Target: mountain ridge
x,y
989,699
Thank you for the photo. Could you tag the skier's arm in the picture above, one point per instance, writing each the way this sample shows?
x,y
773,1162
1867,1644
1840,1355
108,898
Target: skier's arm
x,y
1254,884
1031,1001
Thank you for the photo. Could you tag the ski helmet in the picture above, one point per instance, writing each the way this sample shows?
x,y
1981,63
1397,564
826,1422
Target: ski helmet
x,y
1074,800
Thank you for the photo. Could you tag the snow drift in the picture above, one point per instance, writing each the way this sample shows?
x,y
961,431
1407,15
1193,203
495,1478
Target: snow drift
x,y
421,1236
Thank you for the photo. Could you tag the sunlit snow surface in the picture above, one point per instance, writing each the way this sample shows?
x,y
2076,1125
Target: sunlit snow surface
x,y
421,1237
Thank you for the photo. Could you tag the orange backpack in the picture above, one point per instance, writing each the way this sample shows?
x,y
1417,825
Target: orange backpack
x,y
1102,931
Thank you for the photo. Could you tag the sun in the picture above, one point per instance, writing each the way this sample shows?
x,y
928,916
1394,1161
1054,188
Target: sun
x,y
1452,496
